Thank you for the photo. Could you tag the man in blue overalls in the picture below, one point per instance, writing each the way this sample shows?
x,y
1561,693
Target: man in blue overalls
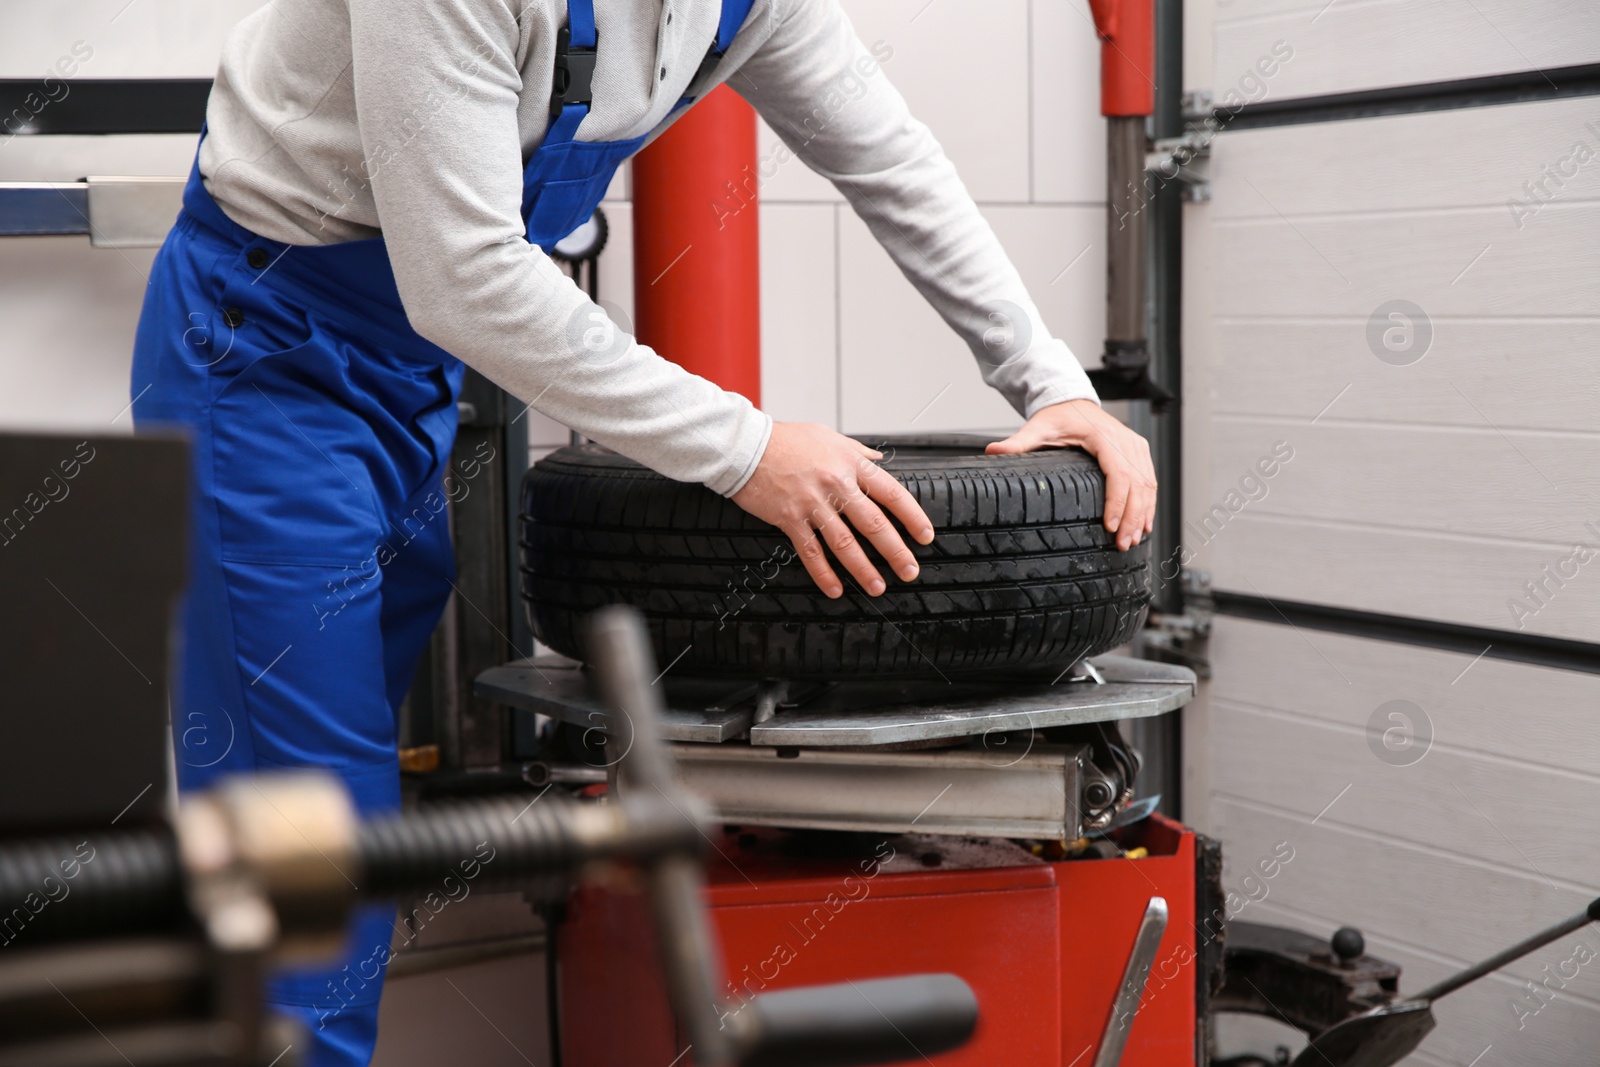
x,y
369,211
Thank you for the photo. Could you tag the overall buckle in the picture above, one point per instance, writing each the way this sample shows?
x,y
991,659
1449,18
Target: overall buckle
x,y
574,73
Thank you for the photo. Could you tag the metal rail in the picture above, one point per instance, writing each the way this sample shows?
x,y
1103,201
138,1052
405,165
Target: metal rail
x,y
113,212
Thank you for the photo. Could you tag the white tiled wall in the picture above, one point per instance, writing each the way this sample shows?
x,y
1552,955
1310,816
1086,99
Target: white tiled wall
x,y
1011,88
900,367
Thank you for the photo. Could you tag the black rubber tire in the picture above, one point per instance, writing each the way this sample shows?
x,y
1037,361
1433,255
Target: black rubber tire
x,y
1021,573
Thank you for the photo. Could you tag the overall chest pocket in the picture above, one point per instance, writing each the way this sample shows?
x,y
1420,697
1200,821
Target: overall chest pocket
x,y
565,182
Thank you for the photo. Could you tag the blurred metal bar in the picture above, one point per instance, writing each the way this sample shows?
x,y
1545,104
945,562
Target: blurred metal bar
x,y
51,105
132,212
33,209
115,212
970,793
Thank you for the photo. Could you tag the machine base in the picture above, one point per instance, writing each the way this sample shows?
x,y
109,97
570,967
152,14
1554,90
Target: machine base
x,y
1043,944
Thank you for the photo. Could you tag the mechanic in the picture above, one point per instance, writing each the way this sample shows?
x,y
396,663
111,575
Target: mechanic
x,y
370,210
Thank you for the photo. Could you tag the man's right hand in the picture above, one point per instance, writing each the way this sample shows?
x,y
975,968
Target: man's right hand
x,y
812,480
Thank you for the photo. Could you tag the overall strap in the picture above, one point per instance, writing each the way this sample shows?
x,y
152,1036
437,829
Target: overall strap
x,y
572,89
734,12
575,57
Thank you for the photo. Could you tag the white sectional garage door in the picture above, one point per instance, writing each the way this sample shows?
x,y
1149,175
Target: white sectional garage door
x,y
1430,356
1406,305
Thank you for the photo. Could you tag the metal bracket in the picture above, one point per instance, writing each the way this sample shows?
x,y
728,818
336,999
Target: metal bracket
x,y
1187,159
1197,105
958,791
114,212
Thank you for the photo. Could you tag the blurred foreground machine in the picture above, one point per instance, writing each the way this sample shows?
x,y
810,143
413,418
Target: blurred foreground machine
x,y
131,940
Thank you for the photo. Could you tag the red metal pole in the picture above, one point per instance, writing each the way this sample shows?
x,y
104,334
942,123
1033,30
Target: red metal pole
x,y
1127,30
696,244
1127,95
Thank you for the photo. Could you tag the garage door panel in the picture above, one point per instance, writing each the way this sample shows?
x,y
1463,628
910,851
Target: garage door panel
x,y
1480,481
1523,375
1350,45
1463,262
1513,711
1453,799
1451,578
1467,157
1405,852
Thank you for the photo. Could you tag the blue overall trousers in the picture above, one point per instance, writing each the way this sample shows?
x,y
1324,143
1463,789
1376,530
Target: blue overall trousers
x,y
322,427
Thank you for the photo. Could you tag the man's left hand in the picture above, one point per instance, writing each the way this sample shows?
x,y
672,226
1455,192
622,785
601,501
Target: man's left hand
x,y
1123,455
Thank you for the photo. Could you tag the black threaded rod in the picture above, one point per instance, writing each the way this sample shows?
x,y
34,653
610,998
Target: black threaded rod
x,y
89,885
493,841
126,882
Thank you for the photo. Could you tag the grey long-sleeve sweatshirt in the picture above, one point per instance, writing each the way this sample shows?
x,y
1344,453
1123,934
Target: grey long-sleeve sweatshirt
x,y
334,120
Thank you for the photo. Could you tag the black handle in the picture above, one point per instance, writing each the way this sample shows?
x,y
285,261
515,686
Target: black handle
x,y
1515,952
886,1020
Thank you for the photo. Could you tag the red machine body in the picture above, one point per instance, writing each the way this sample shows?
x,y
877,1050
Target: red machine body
x,y
1043,946
1127,30
697,244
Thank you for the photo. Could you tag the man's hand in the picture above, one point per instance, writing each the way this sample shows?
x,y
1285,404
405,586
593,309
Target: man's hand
x,y
1124,456
810,481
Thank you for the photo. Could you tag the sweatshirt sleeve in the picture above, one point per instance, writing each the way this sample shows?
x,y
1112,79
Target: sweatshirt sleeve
x,y
829,99
436,89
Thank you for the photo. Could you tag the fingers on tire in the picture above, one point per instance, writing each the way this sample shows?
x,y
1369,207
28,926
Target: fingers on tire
x,y
847,550
814,559
871,523
881,486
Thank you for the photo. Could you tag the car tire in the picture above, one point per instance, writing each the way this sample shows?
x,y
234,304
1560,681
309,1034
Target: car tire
x,y
1021,575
